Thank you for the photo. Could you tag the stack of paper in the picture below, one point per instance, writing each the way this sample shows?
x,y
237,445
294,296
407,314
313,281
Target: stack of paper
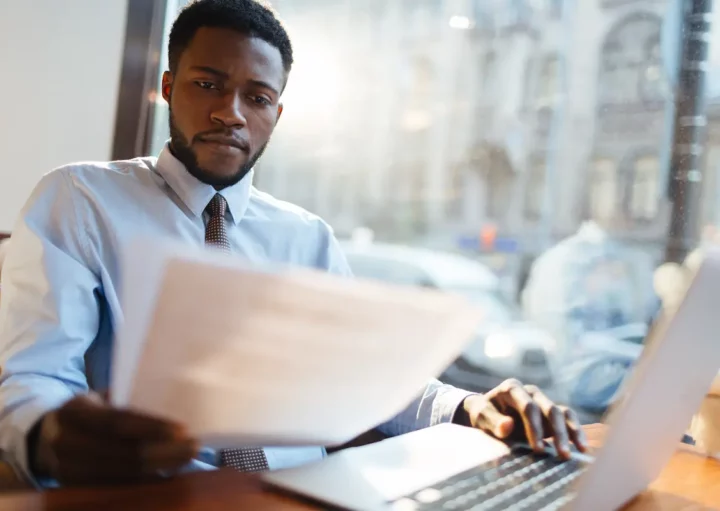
x,y
252,356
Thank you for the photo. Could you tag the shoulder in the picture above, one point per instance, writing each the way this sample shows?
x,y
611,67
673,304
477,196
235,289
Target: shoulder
x,y
91,175
307,236
94,172
89,182
266,207
69,192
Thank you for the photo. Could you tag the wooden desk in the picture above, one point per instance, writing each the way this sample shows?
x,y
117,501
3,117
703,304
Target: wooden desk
x,y
689,482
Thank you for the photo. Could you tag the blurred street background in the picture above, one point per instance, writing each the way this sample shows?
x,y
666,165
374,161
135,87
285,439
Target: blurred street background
x,y
524,153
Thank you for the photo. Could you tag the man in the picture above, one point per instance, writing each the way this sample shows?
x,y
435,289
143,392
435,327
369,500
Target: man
x,y
229,63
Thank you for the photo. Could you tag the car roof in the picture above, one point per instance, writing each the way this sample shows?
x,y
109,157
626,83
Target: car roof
x,y
444,268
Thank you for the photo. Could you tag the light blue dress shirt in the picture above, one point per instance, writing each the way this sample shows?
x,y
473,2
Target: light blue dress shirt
x,y
60,296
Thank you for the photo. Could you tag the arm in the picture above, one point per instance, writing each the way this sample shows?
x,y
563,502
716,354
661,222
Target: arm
x,y
49,314
438,404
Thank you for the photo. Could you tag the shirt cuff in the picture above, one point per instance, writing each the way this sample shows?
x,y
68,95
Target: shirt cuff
x,y
447,404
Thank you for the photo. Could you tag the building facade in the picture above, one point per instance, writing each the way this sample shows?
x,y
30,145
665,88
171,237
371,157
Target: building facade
x,y
430,121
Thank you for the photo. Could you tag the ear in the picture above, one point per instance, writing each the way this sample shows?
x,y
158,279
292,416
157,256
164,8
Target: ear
x,y
279,112
166,88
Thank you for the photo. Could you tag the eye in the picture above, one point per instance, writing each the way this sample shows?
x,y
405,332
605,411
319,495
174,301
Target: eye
x,y
206,85
261,100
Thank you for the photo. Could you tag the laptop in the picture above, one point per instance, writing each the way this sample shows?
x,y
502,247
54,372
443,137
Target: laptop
x,y
453,468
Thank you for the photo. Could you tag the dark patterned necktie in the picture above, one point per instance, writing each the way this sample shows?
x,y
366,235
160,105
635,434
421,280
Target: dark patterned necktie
x,y
250,459
215,232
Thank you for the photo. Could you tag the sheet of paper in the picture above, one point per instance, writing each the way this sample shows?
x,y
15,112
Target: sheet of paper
x,y
247,356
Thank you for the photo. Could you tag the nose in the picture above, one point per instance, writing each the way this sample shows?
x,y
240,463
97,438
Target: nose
x,y
229,112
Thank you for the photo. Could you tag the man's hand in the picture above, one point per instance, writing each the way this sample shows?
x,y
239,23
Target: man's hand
x,y
86,441
513,412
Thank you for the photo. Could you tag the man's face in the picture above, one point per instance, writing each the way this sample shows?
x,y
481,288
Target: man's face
x,y
224,103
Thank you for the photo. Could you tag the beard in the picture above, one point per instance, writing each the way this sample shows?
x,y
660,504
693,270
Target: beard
x,y
181,149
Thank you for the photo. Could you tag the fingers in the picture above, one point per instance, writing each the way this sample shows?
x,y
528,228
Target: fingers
x,y
87,441
555,417
131,456
540,415
577,434
80,460
529,411
99,419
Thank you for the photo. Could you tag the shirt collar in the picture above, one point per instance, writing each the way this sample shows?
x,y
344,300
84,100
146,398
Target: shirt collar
x,y
195,194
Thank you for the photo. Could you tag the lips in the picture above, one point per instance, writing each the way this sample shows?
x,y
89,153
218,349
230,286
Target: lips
x,y
227,142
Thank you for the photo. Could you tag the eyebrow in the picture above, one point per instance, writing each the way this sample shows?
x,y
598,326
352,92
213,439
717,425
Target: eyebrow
x,y
265,85
223,75
212,71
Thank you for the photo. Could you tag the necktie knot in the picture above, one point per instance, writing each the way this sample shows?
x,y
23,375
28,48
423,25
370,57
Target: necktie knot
x,y
217,206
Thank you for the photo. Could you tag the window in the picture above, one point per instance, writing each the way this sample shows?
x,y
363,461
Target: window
x,y
500,181
487,69
631,62
548,81
535,190
427,121
645,188
603,190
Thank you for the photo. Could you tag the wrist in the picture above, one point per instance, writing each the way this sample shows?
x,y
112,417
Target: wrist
x,y
462,413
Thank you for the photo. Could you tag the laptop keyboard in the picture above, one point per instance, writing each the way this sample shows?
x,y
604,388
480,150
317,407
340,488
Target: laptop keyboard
x,y
521,480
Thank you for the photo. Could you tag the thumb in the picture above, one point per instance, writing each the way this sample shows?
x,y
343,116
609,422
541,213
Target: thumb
x,y
492,421
98,397
502,426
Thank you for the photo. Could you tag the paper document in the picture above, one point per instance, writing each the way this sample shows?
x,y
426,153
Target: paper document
x,y
248,356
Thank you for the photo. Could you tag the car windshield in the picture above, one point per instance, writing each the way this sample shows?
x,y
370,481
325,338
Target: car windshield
x,y
496,309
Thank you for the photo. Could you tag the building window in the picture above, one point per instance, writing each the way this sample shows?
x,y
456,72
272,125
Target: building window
x,y
499,177
454,198
535,190
603,189
630,69
487,70
548,85
645,189
652,82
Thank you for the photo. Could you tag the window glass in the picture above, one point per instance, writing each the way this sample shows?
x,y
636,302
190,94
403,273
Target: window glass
x,y
604,187
645,188
531,139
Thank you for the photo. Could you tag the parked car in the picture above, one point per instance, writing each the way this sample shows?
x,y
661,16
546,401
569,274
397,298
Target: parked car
x,y
505,346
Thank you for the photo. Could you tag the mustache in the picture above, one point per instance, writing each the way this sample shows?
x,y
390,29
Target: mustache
x,y
224,137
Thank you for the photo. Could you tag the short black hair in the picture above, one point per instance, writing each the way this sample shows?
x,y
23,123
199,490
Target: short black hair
x,y
249,17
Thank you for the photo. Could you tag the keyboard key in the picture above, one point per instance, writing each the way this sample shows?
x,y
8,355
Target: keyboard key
x,y
519,481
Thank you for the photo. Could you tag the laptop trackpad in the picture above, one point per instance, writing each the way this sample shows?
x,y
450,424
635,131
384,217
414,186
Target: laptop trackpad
x,y
369,477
